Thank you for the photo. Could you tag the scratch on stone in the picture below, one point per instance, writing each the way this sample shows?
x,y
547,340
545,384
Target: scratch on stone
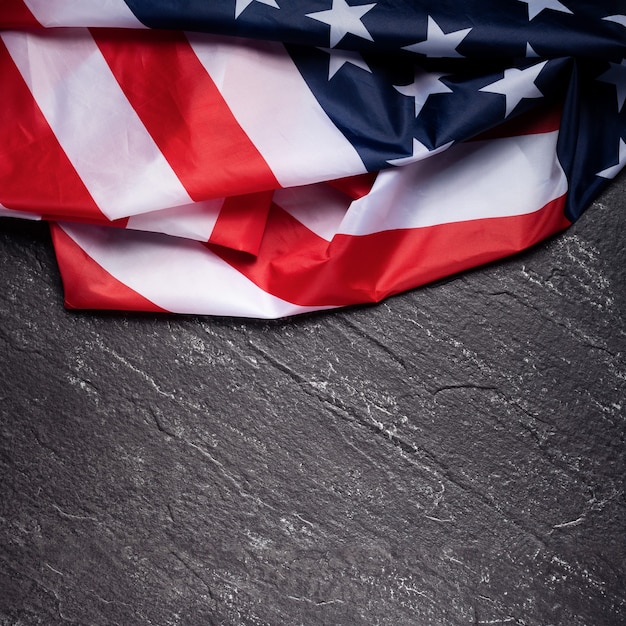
x,y
240,490
304,520
575,522
194,573
394,356
348,417
319,603
97,595
437,519
593,505
160,425
56,571
85,385
322,602
141,373
410,589
464,386
71,516
336,406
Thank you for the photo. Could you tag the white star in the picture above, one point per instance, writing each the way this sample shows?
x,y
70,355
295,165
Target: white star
x,y
344,19
517,85
338,58
537,6
439,44
420,151
618,19
424,84
612,172
530,52
617,76
242,5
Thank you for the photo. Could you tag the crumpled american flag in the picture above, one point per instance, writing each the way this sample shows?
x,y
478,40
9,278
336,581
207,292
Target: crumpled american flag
x,y
264,158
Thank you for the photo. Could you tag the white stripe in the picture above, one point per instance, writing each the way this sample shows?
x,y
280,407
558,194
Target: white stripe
x,y
83,13
116,158
4,212
193,221
274,106
474,180
318,207
178,275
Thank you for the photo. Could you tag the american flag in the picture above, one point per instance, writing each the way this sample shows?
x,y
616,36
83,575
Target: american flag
x,y
264,158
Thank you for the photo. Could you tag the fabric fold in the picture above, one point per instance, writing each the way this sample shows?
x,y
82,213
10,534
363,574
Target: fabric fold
x,y
278,160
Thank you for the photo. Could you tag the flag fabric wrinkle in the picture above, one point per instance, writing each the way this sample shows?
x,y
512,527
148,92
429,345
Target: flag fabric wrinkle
x,y
254,158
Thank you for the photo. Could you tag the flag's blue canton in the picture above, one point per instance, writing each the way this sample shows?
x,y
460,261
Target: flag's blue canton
x,y
592,134
377,113
499,27
402,77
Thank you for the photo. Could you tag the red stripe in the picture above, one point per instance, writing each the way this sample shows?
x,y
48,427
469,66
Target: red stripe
x,y
355,186
546,119
35,173
15,14
122,222
88,285
298,266
241,222
185,114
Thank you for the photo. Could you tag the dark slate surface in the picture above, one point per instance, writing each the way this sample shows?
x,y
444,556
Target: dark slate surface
x,y
453,456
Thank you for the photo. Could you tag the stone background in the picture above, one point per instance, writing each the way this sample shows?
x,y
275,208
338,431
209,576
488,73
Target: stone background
x,y
454,455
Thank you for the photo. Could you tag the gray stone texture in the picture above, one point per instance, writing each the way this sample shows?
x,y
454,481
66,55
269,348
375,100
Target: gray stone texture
x,y
454,455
